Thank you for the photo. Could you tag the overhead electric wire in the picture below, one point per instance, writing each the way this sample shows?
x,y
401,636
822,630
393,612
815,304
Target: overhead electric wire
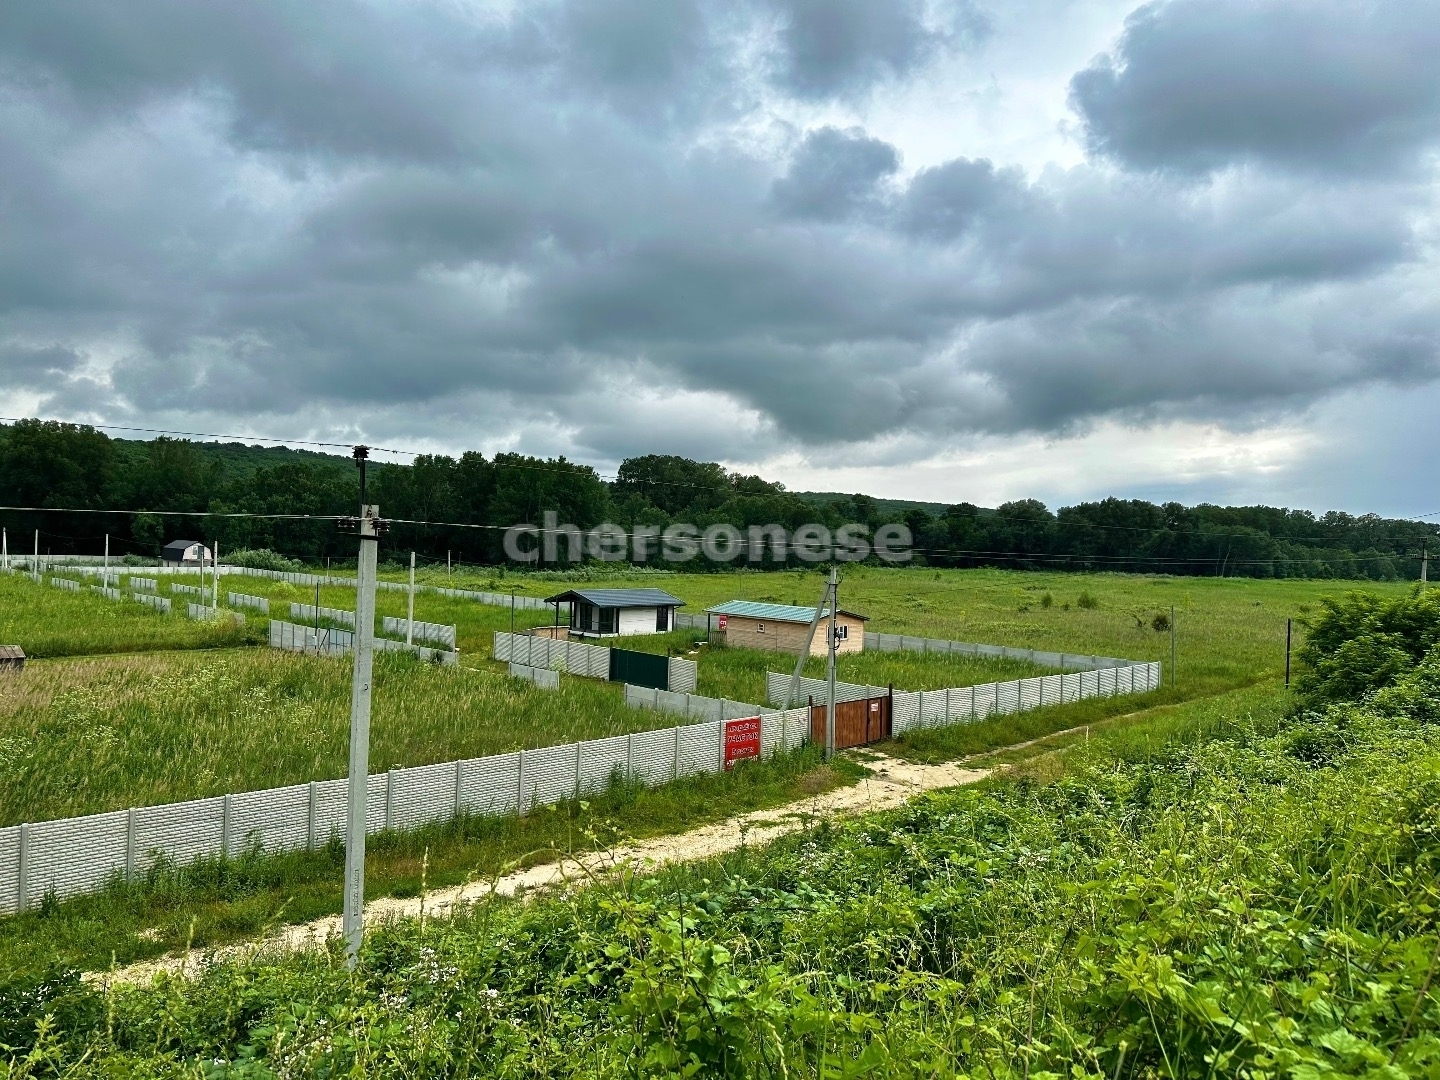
x,y
569,468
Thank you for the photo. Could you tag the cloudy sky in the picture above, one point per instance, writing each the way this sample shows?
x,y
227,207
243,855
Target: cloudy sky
x,y
943,249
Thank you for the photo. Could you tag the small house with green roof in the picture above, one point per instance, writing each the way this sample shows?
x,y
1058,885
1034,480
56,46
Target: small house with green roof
x,y
748,624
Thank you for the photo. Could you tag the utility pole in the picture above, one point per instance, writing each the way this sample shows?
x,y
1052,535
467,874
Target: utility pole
x,y
215,577
35,566
354,919
512,611
1287,653
107,558
1424,565
834,591
447,564
805,649
410,616
5,544
1172,646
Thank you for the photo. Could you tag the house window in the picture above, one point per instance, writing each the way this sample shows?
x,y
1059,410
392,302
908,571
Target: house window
x,y
842,632
760,628
662,619
607,619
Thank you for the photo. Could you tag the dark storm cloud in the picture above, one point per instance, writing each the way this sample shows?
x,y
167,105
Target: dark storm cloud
x,y
544,225
835,174
1325,84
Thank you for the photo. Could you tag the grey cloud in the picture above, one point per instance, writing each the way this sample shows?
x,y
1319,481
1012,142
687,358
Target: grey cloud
x,y
1320,84
570,239
37,368
830,48
835,174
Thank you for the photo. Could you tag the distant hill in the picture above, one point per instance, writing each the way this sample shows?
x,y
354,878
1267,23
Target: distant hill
x,y
887,506
241,460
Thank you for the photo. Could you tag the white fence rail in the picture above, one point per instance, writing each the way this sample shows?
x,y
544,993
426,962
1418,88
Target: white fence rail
x,y
906,643
442,633
77,855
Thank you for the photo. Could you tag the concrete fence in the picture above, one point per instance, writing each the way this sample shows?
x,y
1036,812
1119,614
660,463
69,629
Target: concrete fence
x,y
64,583
188,590
333,642
440,633
159,603
906,643
966,704
106,591
201,611
72,856
240,599
144,584
693,706
310,612
545,678
577,658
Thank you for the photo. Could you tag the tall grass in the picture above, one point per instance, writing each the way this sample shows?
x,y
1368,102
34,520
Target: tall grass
x,y
86,735
46,621
1255,901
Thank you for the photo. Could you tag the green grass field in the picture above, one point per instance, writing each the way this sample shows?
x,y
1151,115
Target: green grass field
x,y
46,621
85,735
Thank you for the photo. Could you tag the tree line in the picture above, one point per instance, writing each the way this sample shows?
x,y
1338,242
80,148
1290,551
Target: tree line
x,y
75,467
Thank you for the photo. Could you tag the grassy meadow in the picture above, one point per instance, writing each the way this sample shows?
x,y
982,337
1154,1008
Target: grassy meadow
x,y
90,734
46,621
1231,631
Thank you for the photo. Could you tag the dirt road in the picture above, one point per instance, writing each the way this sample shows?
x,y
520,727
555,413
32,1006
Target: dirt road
x,y
892,783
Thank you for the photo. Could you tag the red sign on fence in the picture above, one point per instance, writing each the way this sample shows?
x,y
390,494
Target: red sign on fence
x,y
742,739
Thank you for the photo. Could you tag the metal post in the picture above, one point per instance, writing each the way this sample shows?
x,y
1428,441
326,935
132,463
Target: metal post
x,y
107,558
215,576
830,669
1287,652
35,566
316,616
447,564
512,611
410,616
5,545
1172,646
359,775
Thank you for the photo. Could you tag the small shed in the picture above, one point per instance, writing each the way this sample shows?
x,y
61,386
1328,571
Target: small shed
x,y
186,553
609,612
12,658
782,627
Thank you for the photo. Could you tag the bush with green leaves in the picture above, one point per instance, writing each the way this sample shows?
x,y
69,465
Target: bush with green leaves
x,y
1361,642
261,559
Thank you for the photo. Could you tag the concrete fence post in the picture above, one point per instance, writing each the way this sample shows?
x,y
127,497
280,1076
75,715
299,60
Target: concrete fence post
x,y
225,827
579,759
22,871
389,791
310,818
520,786
459,800
675,770
130,845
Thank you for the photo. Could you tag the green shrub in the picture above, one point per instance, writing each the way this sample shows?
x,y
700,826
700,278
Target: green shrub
x,y
261,559
1086,601
1361,643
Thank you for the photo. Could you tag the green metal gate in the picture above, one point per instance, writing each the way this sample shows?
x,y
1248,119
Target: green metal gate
x,y
640,668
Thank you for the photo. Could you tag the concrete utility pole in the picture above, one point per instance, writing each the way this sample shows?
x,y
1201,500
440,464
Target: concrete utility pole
x,y
1287,654
107,558
834,591
35,566
5,543
215,577
805,650
354,919
410,616
1424,565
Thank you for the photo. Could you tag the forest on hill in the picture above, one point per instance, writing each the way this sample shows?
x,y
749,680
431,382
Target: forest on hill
x,y
474,498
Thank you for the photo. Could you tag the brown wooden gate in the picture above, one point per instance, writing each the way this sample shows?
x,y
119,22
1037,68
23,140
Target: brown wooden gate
x,y
865,720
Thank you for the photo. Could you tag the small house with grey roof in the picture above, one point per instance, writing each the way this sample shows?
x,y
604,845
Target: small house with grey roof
x,y
611,612
782,627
